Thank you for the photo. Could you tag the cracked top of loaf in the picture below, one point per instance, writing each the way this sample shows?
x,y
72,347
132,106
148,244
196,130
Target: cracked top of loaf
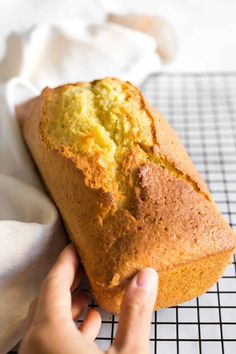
x,y
109,132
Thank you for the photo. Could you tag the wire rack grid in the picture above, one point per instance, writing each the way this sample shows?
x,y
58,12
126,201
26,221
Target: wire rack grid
x,y
202,110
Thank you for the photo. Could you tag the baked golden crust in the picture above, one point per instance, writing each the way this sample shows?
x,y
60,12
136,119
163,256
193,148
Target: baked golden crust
x,y
171,223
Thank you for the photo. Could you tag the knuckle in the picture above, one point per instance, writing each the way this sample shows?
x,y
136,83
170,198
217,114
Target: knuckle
x,y
51,278
50,282
54,278
136,306
45,283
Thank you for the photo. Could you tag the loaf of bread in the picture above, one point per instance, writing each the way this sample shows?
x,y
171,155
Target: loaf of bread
x,y
128,193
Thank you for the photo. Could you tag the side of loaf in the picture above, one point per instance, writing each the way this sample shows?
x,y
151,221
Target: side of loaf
x,y
128,193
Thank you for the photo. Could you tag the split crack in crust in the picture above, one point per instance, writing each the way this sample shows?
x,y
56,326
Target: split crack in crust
x,y
105,129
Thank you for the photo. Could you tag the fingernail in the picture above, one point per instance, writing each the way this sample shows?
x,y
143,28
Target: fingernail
x,y
147,279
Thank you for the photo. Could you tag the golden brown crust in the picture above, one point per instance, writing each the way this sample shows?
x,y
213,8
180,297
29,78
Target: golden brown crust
x,y
173,151
172,223
175,286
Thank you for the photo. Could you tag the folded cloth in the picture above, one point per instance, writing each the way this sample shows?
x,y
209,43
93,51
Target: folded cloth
x,y
31,234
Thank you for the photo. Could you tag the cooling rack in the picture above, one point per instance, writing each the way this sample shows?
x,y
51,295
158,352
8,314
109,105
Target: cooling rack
x,y
202,110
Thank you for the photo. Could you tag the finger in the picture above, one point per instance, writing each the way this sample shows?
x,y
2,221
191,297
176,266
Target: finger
x,y
79,303
55,297
136,311
91,324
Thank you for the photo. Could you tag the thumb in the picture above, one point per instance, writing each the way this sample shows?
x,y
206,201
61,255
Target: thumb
x,y
136,312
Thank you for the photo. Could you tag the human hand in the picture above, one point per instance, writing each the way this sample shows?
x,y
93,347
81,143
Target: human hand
x,y
50,325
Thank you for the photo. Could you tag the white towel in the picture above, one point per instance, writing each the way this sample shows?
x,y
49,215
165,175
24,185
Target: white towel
x,y
31,234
